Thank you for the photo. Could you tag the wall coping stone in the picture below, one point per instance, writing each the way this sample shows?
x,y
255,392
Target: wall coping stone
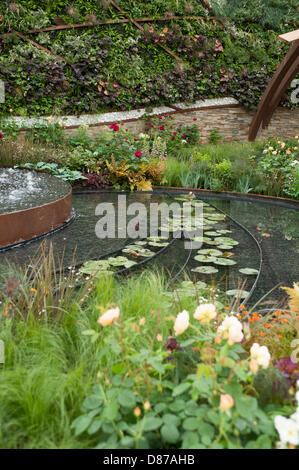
x,y
117,116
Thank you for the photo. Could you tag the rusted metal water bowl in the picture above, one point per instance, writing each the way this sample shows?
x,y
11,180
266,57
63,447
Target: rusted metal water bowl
x,y
22,225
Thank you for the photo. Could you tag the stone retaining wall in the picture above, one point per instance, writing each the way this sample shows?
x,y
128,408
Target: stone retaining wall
x,y
232,122
225,114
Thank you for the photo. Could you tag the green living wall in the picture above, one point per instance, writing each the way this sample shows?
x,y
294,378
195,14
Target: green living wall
x,y
118,66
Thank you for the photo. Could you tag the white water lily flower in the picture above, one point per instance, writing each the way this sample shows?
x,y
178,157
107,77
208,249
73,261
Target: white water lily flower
x,y
205,313
261,355
181,322
109,317
287,430
231,329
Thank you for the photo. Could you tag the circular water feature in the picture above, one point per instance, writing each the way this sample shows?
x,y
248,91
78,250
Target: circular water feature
x,y
31,204
249,245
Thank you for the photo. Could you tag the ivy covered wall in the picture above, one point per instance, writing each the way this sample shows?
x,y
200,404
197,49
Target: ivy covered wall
x,y
187,50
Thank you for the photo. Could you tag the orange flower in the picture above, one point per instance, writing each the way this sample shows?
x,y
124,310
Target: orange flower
x,y
226,402
33,290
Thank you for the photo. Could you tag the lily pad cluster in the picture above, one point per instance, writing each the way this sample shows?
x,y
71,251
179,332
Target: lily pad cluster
x,y
99,267
134,250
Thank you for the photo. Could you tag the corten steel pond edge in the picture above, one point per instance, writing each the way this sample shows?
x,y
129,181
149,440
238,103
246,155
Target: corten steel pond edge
x,y
21,226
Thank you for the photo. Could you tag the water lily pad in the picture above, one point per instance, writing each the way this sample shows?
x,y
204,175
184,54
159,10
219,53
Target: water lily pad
x,y
209,222
225,247
238,293
156,239
139,250
130,248
248,271
210,252
224,231
211,242
117,261
201,239
205,270
224,261
212,234
205,258
226,241
95,267
217,216
158,243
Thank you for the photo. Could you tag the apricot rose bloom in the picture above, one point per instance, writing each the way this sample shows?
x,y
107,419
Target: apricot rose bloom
x,y
261,355
205,313
226,402
181,322
109,317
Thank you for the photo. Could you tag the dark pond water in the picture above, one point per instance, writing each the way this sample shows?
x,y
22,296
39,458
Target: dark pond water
x,y
276,229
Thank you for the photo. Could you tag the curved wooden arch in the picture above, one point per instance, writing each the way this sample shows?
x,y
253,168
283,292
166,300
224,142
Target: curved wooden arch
x,y
280,82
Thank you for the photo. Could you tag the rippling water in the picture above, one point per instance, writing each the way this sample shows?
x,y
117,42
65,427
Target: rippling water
x,y
24,189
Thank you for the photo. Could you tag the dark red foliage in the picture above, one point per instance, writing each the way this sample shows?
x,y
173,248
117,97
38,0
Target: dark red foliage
x,y
287,368
95,181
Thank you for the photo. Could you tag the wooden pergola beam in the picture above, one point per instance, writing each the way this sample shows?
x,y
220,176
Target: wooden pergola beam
x,y
282,78
290,37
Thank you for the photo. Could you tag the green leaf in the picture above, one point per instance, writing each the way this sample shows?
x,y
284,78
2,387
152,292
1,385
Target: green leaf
x,y
156,363
190,424
170,419
190,440
118,368
110,411
206,431
127,443
81,423
177,405
248,271
89,332
246,406
152,423
203,370
127,398
95,426
179,389
170,434
92,402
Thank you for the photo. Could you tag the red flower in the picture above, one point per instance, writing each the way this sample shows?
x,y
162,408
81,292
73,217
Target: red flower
x,y
1,135
172,138
138,153
107,145
148,124
115,127
175,133
136,140
183,136
194,119
161,128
